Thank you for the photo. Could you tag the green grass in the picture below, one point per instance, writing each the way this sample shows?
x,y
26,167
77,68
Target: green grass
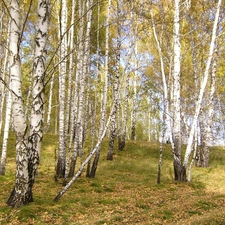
x,y
123,192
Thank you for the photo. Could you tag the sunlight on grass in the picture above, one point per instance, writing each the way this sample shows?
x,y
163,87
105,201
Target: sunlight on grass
x,y
123,192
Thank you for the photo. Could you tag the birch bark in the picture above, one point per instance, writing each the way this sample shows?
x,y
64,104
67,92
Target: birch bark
x,y
49,110
71,68
20,194
202,87
134,100
105,94
69,124
6,133
97,146
61,164
37,105
3,76
206,123
179,170
115,88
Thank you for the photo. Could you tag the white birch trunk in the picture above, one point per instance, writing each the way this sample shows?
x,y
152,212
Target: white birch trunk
x,y
84,74
134,100
105,93
61,164
202,87
3,73
37,105
78,97
6,133
115,88
49,110
206,121
19,195
124,107
166,122
71,68
69,109
179,172
97,146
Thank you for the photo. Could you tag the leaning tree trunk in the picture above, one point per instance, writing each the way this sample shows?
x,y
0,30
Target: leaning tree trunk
x,y
21,194
97,146
206,123
202,87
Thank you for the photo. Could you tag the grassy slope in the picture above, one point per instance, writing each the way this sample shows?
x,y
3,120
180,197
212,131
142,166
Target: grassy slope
x,y
124,191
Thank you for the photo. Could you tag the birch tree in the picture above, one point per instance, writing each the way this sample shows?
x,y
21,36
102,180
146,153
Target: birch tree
x,y
105,93
6,133
3,93
27,148
79,91
115,86
206,134
134,100
202,86
37,110
179,171
49,110
61,163
21,194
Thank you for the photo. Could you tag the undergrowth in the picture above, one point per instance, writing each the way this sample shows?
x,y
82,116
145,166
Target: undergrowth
x,y
124,190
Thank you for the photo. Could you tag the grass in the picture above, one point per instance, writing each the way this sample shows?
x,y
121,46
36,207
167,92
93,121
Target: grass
x,y
123,192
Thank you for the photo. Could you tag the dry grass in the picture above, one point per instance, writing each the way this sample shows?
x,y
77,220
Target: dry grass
x,y
123,192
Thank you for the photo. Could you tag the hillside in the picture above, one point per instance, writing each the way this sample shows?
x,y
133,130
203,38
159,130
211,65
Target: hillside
x,y
123,192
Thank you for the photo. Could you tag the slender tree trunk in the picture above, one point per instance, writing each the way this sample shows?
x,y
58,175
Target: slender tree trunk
x,y
49,110
134,102
105,95
179,169
3,73
122,142
61,164
6,133
115,88
83,83
79,92
71,69
97,146
93,116
206,123
202,87
69,124
167,132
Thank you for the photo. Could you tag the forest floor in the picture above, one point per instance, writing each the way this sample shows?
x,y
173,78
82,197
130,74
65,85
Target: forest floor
x,y
123,192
